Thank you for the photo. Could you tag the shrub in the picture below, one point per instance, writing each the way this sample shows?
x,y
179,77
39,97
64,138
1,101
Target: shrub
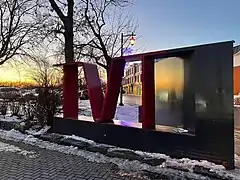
x,y
29,97
15,108
3,107
29,110
47,105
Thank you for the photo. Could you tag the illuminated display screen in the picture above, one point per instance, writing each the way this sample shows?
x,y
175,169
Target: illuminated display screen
x,y
169,84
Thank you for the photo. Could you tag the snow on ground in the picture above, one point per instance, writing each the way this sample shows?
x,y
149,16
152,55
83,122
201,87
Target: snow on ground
x,y
36,132
124,164
80,117
9,118
126,112
80,139
11,148
183,163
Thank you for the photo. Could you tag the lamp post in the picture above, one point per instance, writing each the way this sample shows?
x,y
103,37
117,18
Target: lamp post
x,y
131,41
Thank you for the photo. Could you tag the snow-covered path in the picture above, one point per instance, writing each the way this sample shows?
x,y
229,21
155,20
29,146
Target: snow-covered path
x,y
16,163
129,168
128,113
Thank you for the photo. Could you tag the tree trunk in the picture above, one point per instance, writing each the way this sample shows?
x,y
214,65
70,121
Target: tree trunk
x,y
69,53
109,62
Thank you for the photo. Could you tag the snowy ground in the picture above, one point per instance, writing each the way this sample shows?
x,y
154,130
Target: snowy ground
x,y
128,113
132,166
11,148
9,118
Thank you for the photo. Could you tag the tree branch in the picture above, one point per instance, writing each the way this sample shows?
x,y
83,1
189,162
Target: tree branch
x,y
58,11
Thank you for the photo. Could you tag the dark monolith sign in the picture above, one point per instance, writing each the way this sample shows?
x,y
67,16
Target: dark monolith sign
x,y
190,87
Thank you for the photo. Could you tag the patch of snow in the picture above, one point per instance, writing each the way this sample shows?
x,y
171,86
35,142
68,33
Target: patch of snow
x,y
184,163
22,123
41,131
80,139
4,147
84,104
127,113
85,118
9,118
80,117
124,164
180,130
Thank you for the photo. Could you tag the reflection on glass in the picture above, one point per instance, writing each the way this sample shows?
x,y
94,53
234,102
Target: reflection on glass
x,y
200,103
169,84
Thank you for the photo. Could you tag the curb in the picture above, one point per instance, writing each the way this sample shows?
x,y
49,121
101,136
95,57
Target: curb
x,y
103,149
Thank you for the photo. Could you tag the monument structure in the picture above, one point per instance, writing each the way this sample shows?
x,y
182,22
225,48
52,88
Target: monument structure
x,y
190,87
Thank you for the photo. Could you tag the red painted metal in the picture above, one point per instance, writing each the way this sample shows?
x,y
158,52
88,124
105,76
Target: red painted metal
x,y
94,89
103,109
70,91
148,93
112,92
78,63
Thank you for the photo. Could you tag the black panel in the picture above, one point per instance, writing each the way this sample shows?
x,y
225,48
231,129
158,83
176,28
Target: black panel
x,y
206,145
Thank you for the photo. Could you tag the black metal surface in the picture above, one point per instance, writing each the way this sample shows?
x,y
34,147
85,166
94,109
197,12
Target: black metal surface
x,y
207,144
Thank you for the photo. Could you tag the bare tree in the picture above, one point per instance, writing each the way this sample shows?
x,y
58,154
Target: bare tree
x,y
62,18
85,27
47,78
106,22
17,27
45,75
41,70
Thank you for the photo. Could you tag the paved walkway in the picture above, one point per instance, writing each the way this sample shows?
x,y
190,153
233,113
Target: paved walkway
x,y
32,163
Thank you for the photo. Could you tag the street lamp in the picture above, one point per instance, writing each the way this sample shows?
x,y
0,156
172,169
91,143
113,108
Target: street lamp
x,y
131,42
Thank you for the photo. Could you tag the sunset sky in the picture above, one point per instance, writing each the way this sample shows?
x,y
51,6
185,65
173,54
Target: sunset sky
x,y
8,73
167,24
169,73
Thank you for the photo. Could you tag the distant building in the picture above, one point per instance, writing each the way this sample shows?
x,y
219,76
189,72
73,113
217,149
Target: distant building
x,y
236,69
102,74
132,79
82,80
